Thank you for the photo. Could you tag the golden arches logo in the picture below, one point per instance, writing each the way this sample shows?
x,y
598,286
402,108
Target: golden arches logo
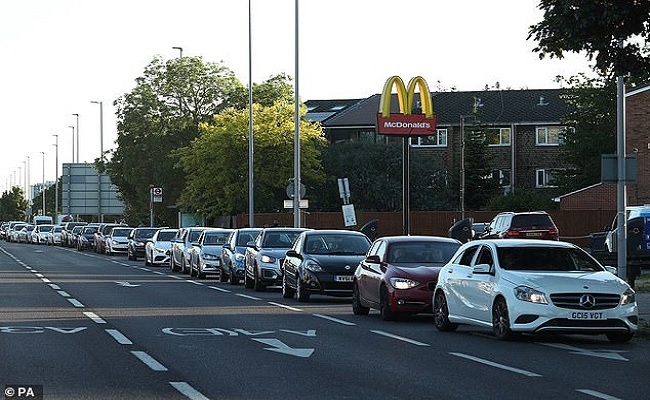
x,y
405,123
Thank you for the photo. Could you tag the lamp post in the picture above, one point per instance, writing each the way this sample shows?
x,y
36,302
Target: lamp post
x,y
296,139
70,126
100,217
29,194
56,180
180,49
43,187
251,187
76,115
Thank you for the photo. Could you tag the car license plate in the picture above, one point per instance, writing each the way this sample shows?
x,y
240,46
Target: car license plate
x,y
534,234
587,315
343,278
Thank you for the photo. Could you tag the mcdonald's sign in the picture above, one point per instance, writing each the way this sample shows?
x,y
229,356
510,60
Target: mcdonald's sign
x,y
404,123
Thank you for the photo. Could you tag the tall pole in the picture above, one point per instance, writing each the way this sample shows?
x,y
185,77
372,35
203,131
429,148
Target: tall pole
x,y
462,167
27,183
70,126
180,50
100,217
621,195
296,140
77,115
251,197
56,181
25,179
43,188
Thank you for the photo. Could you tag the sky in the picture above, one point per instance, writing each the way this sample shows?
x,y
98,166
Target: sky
x,y
58,56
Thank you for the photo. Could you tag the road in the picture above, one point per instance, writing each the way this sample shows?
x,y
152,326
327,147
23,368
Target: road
x,y
88,326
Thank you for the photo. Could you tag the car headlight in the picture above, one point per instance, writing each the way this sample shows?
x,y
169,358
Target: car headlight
x,y
403,283
525,293
268,259
313,266
159,250
628,297
209,256
239,257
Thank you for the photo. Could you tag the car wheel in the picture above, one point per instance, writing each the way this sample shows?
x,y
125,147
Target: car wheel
x,y
258,286
441,313
191,269
386,313
233,279
184,268
287,292
357,307
223,278
248,282
619,337
501,320
301,294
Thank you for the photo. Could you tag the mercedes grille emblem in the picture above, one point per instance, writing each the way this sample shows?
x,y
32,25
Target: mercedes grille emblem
x,y
347,267
587,301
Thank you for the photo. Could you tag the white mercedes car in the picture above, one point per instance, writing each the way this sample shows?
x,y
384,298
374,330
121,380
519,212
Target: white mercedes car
x,y
534,286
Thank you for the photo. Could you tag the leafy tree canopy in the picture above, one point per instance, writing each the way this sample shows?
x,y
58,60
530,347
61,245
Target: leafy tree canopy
x,y
13,206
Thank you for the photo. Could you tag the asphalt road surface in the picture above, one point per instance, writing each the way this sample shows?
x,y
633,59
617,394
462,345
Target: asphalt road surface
x,y
87,326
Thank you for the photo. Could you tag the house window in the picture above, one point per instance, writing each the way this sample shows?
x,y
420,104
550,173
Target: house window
x,y
438,140
498,137
545,178
548,135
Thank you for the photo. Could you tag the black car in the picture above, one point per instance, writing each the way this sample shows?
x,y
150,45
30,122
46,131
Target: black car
x,y
323,262
137,241
86,237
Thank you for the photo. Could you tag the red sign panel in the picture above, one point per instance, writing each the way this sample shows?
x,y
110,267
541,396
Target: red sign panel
x,y
406,125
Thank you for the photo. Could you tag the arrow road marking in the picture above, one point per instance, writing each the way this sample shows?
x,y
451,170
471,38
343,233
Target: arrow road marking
x,y
608,354
280,347
126,284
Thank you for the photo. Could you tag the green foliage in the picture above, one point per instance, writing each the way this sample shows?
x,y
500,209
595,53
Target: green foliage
x,y
614,32
13,205
524,200
216,162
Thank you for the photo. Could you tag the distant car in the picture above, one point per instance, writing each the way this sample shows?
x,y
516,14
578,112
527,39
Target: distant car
x,y
205,254
521,225
67,234
158,249
179,259
39,234
25,234
264,257
86,237
137,241
323,262
233,254
12,235
399,273
100,237
533,286
54,236
116,241
76,231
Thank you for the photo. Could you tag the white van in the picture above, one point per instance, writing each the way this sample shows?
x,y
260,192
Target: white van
x,y
42,220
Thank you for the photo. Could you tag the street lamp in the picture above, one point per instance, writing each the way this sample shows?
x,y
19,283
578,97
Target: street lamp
x,y
77,115
251,187
70,126
101,157
43,187
180,49
56,180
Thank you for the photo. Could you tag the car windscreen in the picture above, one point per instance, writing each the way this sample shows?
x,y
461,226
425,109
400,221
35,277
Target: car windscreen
x,y
166,236
193,236
121,232
421,252
336,244
90,230
530,220
216,238
542,258
280,239
245,237
145,233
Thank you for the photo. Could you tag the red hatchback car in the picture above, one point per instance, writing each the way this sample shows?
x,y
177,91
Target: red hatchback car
x,y
399,273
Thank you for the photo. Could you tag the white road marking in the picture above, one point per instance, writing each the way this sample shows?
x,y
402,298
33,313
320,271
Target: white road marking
x,y
339,321
118,336
597,394
219,289
150,361
285,306
63,293
195,282
40,276
496,365
608,354
407,340
175,277
53,286
46,280
94,317
185,389
76,303
247,296
280,347
159,273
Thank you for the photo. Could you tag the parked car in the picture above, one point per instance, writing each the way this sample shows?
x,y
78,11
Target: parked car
x,y
11,234
86,237
25,234
533,286
117,240
100,237
39,234
76,231
158,249
54,236
521,225
181,244
137,240
67,236
205,253
399,274
233,254
323,262
264,257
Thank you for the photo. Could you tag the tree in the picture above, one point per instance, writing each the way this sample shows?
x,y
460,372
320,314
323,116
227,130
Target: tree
x,y
13,206
614,32
216,166
160,115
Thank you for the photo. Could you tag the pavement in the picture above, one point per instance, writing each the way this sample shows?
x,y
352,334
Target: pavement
x,y
643,302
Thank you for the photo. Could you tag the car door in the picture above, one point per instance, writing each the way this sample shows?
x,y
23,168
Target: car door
x,y
478,285
369,276
453,277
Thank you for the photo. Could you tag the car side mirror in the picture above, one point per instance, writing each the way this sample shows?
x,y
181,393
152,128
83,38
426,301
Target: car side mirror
x,y
250,244
611,269
227,246
482,269
373,259
293,253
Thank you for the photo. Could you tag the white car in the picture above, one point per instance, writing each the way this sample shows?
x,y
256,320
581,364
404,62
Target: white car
x,y
158,248
39,234
54,236
528,285
116,241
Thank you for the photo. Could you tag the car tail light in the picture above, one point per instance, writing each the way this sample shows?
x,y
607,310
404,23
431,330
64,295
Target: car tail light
x,y
512,233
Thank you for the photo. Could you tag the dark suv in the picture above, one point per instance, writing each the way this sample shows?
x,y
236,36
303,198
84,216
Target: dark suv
x,y
522,225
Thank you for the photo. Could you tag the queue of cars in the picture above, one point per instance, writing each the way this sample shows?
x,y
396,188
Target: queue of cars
x,y
522,281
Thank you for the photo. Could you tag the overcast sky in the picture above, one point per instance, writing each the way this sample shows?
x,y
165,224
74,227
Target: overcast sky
x,y
59,55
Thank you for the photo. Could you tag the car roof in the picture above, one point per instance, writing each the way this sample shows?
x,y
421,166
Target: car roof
x,y
409,238
522,243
